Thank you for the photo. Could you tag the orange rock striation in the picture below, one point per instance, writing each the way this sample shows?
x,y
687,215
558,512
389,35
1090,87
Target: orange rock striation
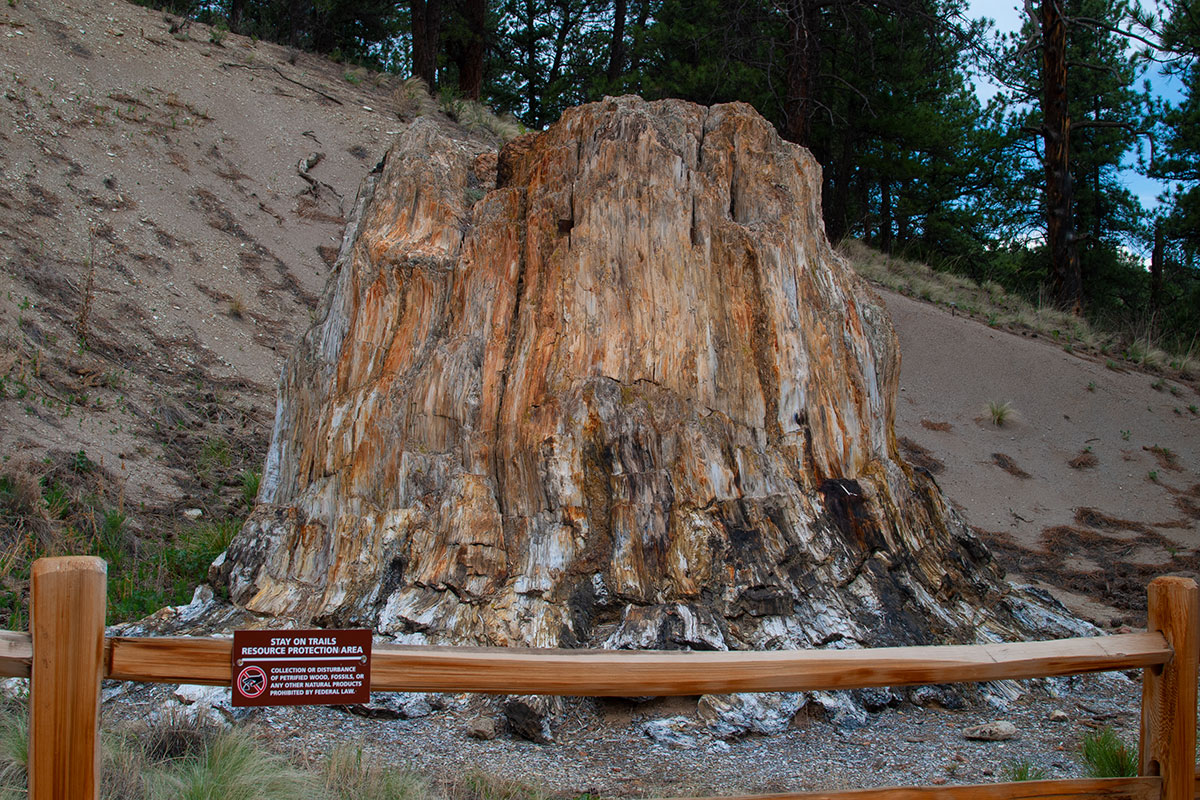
x,y
628,397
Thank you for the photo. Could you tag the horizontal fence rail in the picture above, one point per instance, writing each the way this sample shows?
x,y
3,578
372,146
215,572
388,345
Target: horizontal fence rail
x,y
1168,655
636,673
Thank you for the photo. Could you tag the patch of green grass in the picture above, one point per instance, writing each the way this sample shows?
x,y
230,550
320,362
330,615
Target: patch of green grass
x,y
348,775
58,500
214,458
999,412
80,463
14,746
1107,756
479,785
251,482
1023,769
232,767
166,573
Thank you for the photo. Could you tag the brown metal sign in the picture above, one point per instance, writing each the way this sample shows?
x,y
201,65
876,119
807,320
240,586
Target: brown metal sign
x,y
301,668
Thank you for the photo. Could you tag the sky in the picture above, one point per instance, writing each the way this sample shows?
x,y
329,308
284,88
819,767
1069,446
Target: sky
x,y
1008,16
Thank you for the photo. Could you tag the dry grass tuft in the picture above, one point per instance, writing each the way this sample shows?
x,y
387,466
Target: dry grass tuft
x,y
1085,460
920,456
348,775
999,412
1006,463
1167,458
412,99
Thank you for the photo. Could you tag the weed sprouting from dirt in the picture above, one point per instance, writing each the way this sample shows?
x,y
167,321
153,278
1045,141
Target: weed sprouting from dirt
x,y
999,412
1107,756
1023,769
251,481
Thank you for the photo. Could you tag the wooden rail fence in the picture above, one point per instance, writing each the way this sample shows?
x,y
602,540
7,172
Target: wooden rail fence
x,y
66,655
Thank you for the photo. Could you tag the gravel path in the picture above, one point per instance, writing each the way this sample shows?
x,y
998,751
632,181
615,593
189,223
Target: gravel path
x,y
600,747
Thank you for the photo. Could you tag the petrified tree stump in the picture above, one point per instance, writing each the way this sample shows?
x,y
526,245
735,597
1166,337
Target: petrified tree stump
x,y
629,397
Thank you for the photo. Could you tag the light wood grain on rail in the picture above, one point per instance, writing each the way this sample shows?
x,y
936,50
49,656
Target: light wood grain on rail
x,y
655,672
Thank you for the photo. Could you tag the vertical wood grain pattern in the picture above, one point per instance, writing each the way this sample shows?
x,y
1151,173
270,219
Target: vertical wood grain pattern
x,y
1168,731
67,599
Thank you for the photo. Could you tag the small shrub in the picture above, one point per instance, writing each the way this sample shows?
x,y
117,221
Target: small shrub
x,y
174,737
1023,770
999,412
80,463
1107,756
237,307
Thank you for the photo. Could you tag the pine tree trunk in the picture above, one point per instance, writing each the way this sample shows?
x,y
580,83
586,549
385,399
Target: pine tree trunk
x,y
616,51
885,215
426,30
470,62
1156,265
1065,280
802,64
236,7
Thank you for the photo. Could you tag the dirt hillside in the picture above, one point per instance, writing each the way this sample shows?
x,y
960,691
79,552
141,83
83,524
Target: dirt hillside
x,y
171,201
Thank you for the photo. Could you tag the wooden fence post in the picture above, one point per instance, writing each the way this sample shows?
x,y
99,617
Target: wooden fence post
x,y
67,601
1168,732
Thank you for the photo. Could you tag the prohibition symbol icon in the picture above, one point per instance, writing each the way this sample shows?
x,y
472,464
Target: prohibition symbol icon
x,y
252,681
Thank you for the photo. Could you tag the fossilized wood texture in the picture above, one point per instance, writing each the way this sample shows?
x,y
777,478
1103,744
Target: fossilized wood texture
x,y
628,398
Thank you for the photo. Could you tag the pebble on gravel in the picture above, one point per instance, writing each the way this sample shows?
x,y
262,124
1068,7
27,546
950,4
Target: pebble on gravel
x,y
482,727
997,731
1058,715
